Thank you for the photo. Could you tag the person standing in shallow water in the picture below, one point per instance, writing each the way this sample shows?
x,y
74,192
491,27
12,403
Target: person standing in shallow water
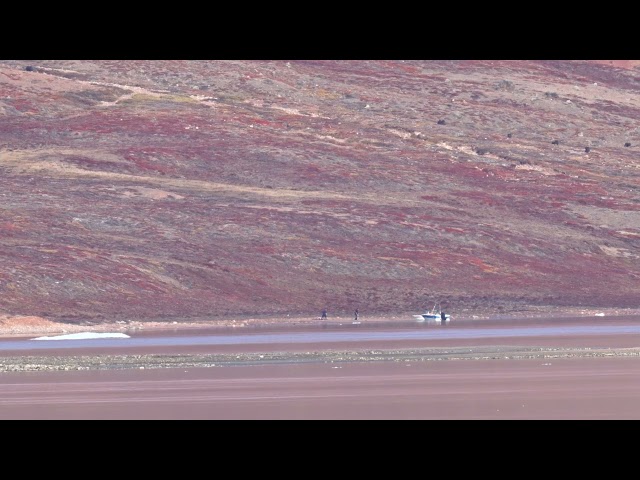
x,y
356,315
443,318
324,314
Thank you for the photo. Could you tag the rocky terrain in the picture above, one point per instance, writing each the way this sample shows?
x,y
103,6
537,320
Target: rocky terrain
x,y
152,361
175,191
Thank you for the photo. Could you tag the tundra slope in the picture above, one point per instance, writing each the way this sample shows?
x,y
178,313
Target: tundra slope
x,y
181,190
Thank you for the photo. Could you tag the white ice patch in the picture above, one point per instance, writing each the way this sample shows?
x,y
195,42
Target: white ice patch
x,y
84,336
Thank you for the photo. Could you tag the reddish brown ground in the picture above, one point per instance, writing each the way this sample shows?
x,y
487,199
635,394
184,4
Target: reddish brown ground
x,y
188,190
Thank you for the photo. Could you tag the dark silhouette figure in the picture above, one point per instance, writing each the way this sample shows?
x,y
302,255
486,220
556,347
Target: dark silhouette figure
x,y
587,149
443,318
555,142
324,314
509,135
627,144
441,122
356,315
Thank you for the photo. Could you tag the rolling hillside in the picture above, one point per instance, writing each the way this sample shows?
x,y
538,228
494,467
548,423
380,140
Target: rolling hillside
x,y
179,189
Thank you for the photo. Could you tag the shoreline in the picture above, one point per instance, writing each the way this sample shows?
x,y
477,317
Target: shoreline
x,y
26,326
336,354
335,357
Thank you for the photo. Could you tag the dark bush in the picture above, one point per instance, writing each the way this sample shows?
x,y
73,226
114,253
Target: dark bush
x,y
504,85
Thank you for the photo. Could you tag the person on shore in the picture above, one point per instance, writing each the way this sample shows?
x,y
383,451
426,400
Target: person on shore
x,y
356,315
443,318
324,314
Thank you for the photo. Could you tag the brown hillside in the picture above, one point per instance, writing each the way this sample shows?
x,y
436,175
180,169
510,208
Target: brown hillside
x,y
172,190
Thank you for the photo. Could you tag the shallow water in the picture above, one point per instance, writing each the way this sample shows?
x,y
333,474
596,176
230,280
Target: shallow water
x,y
323,336
550,386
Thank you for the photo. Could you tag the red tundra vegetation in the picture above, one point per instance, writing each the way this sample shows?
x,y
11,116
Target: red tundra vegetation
x,y
204,191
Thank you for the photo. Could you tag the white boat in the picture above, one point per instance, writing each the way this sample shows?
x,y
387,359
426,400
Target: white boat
x,y
433,316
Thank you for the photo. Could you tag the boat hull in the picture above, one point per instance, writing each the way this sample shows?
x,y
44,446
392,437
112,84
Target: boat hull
x,y
432,318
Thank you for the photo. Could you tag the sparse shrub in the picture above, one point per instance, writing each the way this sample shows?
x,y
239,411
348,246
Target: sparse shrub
x,y
504,85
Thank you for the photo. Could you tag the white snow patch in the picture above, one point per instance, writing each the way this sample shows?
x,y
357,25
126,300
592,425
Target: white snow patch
x,y
84,336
